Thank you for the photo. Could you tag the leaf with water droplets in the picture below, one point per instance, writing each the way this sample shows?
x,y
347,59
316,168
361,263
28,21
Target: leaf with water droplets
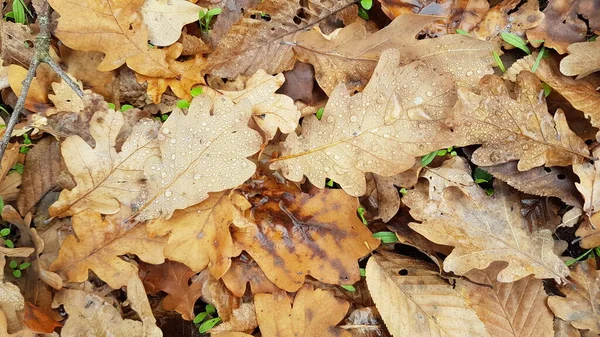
x,y
380,130
482,229
349,55
519,128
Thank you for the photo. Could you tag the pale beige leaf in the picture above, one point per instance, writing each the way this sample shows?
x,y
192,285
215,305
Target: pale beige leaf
x,y
581,93
564,329
166,18
199,235
65,99
11,302
270,111
91,315
21,333
255,43
415,301
349,55
589,184
581,306
138,300
202,151
583,59
483,229
10,187
106,179
514,129
379,130
97,247
515,309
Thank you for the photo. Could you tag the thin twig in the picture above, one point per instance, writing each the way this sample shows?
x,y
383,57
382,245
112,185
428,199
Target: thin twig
x,y
41,55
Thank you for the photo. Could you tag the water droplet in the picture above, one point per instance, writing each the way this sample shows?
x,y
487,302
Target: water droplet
x,y
173,140
469,73
173,157
197,176
165,131
429,93
418,100
244,164
168,193
385,135
336,157
326,169
353,118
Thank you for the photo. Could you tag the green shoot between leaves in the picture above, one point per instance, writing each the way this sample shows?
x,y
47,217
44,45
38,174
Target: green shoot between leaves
x,y
428,158
18,268
18,12
319,113
348,288
516,41
498,61
205,18
361,214
26,144
386,237
590,252
207,319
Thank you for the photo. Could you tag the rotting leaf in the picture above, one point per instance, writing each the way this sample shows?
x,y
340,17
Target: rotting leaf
x,y
379,130
349,55
483,229
514,129
199,235
97,247
415,301
298,234
114,28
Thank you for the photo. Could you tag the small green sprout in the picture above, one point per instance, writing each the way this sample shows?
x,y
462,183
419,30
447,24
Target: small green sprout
x,y
26,144
205,18
428,158
204,327
362,13
183,104
125,107
363,272
462,32
516,41
498,61
592,38
591,252
348,288
366,4
386,237
403,191
111,106
319,113
538,59
210,309
206,318
480,176
196,91
164,117
4,232
329,182
18,12
547,89
200,317
17,168
18,268
361,214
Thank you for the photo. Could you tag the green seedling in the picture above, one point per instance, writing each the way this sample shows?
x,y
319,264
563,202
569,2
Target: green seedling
x,y
428,158
206,318
386,237
592,38
365,5
403,191
498,61
4,232
183,104
204,327
363,272
125,107
480,176
462,32
590,252
17,168
205,18
361,214
111,106
516,41
547,89
196,92
348,288
319,113
18,268
26,144
18,12
538,59
329,182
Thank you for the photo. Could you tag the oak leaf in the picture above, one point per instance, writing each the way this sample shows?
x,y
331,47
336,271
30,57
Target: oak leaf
x,y
188,73
517,128
199,235
581,93
166,18
97,247
245,270
11,302
507,309
255,43
583,59
508,16
589,187
314,312
113,27
106,179
299,234
415,301
270,111
483,229
581,306
65,99
172,278
349,55
83,66
379,130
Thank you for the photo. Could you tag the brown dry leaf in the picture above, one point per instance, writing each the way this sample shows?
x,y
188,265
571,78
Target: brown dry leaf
x,y
415,301
349,55
589,233
254,43
245,270
380,130
589,185
106,179
83,66
38,320
483,229
188,73
383,191
10,158
518,128
543,181
172,278
509,16
583,59
508,309
15,49
299,234
114,28
10,187
580,93
564,329
138,301
166,18
581,306
566,22
37,92
199,235
270,111
314,312
97,247
65,99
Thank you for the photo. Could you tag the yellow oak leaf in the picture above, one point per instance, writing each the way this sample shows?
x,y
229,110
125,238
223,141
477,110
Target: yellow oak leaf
x,y
166,18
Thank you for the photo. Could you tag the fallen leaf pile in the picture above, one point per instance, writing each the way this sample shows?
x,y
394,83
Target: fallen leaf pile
x,y
317,168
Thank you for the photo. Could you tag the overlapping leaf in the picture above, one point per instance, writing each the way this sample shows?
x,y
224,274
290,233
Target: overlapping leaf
x,y
379,130
166,18
583,59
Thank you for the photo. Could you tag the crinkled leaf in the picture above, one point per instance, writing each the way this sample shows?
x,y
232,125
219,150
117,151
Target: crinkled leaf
x,y
166,18
583,59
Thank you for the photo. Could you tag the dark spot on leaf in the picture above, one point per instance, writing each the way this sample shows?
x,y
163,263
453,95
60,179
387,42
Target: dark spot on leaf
x,y
403,272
